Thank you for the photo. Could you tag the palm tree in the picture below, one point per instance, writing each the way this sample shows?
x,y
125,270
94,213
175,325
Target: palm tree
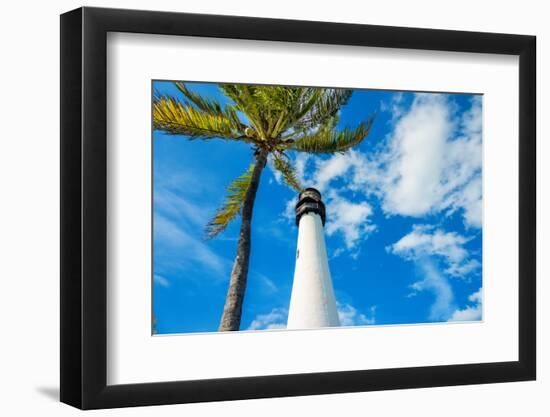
x,y
273,120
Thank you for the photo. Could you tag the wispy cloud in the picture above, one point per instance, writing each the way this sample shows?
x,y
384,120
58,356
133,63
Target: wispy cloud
x,y
279,229
429,247
436,283
427,241
276,173
173,241
180,215
350,219
160,280
173,205
350,316
275,319
394,105
429,163
347,314
471,312
267,284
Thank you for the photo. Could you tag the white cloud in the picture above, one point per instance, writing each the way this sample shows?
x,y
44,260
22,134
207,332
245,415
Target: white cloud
x,y
471,312
275,319
470,199
290,213
301,162
435,282
476,297
426,241
330,169
348,218
347,313
350,316
394,106
429,163
352,167
336,253
427,246
433,161
464,268
276,173
417,145
160,280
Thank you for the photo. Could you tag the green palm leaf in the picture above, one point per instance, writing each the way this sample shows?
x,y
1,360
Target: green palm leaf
x,y
232,205
174,117
243,97
325,105
288,172
331,141
202,103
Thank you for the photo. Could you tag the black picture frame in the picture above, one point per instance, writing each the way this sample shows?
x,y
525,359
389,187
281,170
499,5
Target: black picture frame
x,y
84,207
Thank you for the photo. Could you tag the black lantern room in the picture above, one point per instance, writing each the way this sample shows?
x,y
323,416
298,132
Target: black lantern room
x,y
310,201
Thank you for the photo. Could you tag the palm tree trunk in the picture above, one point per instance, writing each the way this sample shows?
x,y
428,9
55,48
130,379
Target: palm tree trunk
x,y
231,318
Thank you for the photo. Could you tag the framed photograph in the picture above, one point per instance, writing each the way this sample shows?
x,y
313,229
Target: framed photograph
x,y
260,208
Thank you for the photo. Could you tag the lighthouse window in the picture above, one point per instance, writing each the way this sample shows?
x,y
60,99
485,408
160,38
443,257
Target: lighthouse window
x,y
297,253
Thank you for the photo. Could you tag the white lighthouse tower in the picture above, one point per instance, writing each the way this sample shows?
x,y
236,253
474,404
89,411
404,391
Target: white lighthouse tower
x,y
312,303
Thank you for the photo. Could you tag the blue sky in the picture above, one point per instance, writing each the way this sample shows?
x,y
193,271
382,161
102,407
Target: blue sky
x,y
403,231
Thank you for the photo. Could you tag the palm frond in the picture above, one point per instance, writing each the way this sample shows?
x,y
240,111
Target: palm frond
x,y
174,117
294,103
330,140
288,172
202,103
325,105
276,111
236,192
243,97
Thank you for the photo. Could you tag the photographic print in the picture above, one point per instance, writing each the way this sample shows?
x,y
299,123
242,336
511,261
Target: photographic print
x,y
292,213
295,207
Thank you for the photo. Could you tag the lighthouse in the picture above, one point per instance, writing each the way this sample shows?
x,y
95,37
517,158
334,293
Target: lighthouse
x,y
312,303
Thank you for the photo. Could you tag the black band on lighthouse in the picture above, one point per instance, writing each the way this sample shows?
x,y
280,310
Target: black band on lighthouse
x,y
310,201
